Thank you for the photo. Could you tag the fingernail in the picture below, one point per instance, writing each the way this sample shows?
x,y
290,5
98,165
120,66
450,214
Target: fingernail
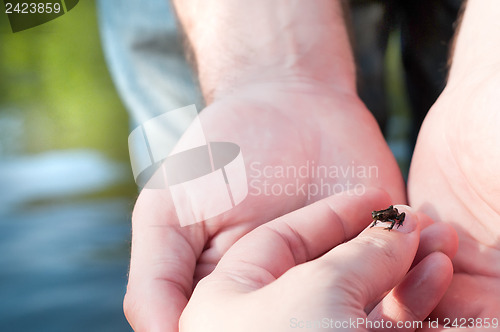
x,y
406,224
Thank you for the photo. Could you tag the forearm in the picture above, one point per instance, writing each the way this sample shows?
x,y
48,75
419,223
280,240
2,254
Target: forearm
x,y
477,46
237,43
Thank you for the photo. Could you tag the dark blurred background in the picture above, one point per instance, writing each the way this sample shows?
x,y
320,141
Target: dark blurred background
x,y
66,189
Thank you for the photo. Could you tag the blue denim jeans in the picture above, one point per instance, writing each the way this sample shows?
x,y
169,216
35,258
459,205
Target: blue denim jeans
x,y
145,57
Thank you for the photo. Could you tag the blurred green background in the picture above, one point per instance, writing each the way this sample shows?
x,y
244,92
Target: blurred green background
x,y
66,189
55,75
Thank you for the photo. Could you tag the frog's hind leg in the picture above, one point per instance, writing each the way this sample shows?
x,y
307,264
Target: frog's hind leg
x,y
400,219
393,222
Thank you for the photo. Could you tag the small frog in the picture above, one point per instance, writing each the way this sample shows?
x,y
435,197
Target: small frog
x,y
391,214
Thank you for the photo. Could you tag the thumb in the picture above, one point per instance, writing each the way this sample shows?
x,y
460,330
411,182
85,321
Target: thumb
x,y
375,261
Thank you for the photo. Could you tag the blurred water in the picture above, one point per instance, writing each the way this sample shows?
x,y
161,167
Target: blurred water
x,y
64,204
64,251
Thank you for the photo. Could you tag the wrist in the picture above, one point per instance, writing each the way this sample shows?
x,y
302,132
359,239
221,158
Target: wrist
x,y
240,43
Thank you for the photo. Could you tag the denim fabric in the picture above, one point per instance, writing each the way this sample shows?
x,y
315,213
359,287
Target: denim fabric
x,y
145,56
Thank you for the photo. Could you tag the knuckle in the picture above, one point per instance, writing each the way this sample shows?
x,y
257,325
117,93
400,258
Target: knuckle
x,y
383,247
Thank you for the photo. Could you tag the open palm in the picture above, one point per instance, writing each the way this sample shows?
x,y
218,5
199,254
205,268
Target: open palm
x,y
276,124
454,178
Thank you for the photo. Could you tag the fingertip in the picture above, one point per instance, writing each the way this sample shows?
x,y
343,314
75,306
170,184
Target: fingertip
x,y
442,262
440,268
419,292
439,237
411,220
384,257
425,220
452,239
431,277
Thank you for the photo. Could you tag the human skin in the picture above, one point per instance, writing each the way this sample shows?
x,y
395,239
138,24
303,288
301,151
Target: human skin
x,y
454,175
284,274
284,91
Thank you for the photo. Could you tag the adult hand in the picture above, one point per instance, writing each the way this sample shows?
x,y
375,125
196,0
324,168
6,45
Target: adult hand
x,y
279,125
279,278
283,89
453,179
454,176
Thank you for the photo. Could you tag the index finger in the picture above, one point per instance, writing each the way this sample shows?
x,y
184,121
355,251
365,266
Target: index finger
x,y
270,250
